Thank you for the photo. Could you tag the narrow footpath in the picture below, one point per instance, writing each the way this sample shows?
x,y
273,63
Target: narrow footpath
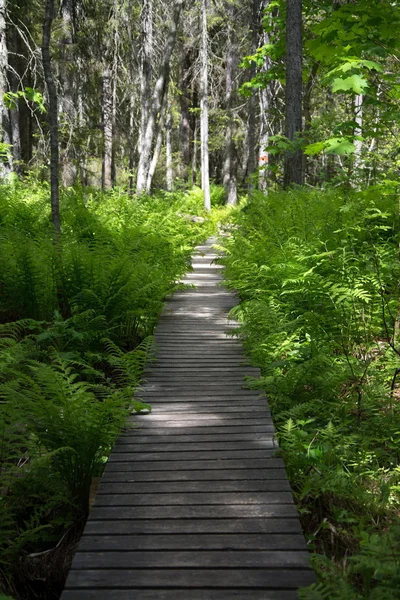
x,y
194,504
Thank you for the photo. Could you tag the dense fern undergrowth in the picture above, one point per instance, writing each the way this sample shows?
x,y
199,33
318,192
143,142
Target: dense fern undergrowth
x,y
75,333
318,277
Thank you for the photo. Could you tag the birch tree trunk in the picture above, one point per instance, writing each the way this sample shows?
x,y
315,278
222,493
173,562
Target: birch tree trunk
x,y
195,151
107,129
358,118
168,148
205,167
250,163
156,104
184,128
146,22
53,120
5,166
68,98
158,146
293,172
230,163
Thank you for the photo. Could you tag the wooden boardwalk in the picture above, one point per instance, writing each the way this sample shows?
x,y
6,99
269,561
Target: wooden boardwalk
x,y
194,505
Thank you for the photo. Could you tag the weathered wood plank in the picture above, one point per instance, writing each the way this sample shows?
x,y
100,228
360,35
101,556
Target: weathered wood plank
x,y
145,526
192,446
157,487
191,578
221,474
173,559
200,455
204,541
187,594
194,499
237,511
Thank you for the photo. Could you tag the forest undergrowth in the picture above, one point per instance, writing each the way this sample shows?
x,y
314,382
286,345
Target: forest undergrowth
x,y
75,333
318,277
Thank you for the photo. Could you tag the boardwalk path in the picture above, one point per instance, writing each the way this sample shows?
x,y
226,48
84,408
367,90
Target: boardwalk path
x,y
194,505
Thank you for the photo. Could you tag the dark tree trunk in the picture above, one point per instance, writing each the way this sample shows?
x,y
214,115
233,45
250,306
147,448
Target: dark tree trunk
x,y
293,159
53,120
195,151
5,166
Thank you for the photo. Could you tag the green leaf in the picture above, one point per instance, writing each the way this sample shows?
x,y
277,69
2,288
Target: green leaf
x,y
340,146
354,83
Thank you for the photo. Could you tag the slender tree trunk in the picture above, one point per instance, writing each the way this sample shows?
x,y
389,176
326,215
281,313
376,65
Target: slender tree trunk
x,y
205,167
15,112
146,67
107,128
5,166
68,99
158,146
307,111
250,164
265,97
168,148
195,151
184,128
131,146
159,90
53,120
230,162
358,118
293,127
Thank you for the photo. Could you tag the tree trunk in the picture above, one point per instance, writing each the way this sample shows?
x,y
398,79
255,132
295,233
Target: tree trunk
x,y
205,173
68,99
53,120
168,147
159,90
358,118
293,173
184,128
146,67
265,97
250,163
6,166
107,129
14,113
195,151
158,146
230,163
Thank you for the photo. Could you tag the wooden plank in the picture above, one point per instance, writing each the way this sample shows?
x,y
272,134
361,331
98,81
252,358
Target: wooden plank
x,y
231,430
215,475
199,465
187,594
194,499
237,511
141,439
191,528
157,487
191,578
192,446
200,455
186,559
205,541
